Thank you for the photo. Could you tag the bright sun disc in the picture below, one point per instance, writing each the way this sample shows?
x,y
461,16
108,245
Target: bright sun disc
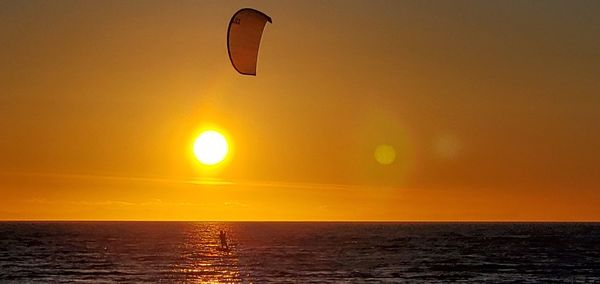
x,y
210,147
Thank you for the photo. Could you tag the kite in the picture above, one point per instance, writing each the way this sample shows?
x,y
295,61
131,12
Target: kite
x,y
243,39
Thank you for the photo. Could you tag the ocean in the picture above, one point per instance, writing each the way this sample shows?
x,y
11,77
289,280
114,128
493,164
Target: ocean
x,y
299,252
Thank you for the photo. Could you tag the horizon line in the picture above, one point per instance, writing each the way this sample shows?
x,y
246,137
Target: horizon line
x,y
303,221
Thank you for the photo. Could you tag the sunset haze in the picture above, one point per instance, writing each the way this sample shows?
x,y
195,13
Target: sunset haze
x,y
360,110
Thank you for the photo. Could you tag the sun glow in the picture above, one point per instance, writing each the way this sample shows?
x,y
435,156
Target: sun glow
x,y
211,148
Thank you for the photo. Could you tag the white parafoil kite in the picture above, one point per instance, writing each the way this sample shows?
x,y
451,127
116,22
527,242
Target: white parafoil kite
x,y
243,39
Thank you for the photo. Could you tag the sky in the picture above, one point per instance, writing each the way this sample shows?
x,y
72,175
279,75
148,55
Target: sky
x,y
491,109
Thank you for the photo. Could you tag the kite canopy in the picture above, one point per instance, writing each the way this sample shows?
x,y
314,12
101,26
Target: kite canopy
x,y
243,39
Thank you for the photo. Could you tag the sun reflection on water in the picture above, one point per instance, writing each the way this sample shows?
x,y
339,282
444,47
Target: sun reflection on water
x,y
202,262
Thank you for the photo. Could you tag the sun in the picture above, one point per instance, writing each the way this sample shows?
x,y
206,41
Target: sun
x,y
211,147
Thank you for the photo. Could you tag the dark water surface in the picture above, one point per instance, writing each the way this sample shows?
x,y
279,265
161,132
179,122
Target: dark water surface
x,y
299,252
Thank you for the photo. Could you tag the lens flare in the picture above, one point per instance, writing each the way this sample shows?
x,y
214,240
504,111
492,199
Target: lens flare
x,y
385,154
447,146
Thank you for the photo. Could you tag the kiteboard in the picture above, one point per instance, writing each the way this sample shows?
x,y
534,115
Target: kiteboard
x,y
223,249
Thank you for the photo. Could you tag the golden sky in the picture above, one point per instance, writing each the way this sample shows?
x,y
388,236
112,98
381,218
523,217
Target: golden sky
x,y
492,108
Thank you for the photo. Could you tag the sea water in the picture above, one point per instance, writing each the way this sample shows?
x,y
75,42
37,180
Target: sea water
x,y
299,252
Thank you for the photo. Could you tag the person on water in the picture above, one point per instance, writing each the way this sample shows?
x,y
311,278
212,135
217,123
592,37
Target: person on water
x,y
223,238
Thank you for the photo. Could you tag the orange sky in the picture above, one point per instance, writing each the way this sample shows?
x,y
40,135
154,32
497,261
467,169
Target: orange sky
x,y
492,108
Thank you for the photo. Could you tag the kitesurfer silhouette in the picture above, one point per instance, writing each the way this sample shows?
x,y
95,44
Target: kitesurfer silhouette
x,y
223,238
